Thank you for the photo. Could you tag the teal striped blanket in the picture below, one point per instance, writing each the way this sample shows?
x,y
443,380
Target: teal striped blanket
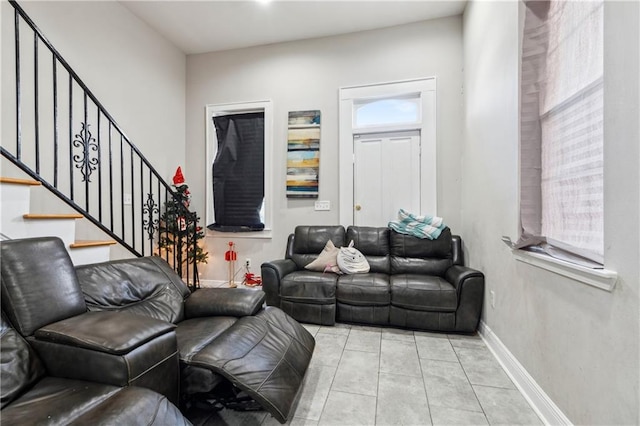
x,y
418,226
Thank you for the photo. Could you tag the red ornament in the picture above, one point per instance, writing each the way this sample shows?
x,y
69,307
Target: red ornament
x,y
178,178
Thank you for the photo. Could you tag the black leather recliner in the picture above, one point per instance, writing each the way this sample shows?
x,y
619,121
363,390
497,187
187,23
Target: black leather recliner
x,y
31,396
224,335
63,365
134,322
305,295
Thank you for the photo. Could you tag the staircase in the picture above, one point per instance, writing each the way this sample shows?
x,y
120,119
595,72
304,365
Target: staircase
x,y
69,170
18,221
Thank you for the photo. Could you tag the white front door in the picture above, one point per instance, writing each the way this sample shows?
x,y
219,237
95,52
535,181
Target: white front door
x,y
386,174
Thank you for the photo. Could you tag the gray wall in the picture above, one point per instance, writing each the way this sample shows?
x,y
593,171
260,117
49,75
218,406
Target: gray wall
x,y
307,75
579,343
136,74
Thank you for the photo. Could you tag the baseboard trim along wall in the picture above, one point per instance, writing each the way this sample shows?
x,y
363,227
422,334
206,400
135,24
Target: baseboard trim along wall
x,y
214,283
546,409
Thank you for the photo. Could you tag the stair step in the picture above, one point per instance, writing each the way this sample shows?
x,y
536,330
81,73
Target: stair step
x,y
91,243
53,216
17,181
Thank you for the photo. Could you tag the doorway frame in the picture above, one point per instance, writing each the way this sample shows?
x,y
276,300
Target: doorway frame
x,y
425,88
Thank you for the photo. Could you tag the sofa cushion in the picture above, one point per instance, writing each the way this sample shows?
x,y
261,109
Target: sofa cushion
x,y
59,401
411,255
232,302
309,241
423,293
373,243
370,289
144,286
309,287
108,332
134,405
195,333
39,283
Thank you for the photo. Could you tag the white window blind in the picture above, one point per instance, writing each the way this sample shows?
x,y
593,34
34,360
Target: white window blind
x,y
562,127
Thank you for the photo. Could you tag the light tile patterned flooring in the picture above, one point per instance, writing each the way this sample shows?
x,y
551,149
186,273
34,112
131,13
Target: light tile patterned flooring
x,y
384,376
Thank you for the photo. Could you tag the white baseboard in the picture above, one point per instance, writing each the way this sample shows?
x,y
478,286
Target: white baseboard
x,y
223,284
546,409
213,283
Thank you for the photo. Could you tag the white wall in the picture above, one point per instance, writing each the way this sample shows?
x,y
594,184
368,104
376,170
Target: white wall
x,y
135,73
307,75
579,343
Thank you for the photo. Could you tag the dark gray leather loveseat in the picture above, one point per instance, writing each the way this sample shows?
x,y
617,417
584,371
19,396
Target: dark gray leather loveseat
x,y
413,283
135,323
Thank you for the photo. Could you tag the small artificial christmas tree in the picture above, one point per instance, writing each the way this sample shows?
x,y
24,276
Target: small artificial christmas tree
x,y
179,234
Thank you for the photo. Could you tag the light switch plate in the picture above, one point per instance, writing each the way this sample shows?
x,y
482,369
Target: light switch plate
x,y
323,205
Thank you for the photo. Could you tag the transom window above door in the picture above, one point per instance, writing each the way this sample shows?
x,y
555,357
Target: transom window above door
x,y
387,111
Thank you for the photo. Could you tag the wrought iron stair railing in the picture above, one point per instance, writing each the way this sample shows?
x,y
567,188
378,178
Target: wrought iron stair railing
x,y
66,139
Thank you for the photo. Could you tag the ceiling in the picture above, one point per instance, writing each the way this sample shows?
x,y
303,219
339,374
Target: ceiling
x,y
209,26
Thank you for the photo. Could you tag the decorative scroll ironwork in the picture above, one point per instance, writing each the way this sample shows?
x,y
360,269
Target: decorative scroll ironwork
x,y
84,161
92,155
150,209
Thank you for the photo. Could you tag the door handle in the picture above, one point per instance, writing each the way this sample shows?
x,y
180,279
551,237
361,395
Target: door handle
x,y
358,207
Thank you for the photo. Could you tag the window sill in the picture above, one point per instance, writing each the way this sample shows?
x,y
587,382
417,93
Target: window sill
x,y
603,279
258,235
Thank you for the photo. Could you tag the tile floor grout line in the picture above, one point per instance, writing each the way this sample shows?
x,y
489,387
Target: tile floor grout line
x,y
440,360
426,392
375,414
324,406
469,381
415,347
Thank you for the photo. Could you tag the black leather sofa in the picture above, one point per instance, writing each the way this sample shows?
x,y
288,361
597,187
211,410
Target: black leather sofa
x,y
412,283
135,323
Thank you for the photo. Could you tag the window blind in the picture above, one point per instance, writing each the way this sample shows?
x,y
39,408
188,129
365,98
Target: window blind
x,y
561,152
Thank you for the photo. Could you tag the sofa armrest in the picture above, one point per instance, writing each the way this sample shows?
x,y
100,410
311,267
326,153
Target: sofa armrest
x,y
469,284
272,274
456,275
115,348
233,302
114,333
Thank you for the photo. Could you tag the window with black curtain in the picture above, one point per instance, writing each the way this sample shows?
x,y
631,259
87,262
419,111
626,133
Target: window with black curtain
x,y
238,173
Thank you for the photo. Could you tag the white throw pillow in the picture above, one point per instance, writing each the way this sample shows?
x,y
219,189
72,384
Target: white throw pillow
x,y
327,260
351,260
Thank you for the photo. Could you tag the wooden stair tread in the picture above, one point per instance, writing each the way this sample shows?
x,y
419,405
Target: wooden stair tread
x,y
53,216
91,243
17,181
